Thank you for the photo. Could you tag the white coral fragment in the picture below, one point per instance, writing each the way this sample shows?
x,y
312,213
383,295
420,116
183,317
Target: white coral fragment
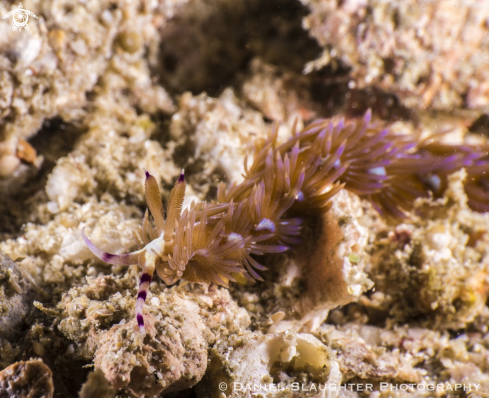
x,y
66,181
271,362
221,130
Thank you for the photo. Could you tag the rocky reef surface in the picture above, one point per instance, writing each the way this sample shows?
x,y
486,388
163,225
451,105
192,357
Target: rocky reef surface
x,y
97,92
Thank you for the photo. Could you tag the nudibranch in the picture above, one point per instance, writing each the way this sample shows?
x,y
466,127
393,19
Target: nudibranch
x,y
209,243
284,185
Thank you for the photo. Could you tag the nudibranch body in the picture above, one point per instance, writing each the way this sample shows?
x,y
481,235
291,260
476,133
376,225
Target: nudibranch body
x,y
285,184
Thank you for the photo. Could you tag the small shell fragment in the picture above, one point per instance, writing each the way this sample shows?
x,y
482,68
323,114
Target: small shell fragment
x,y
70,349
155,301
26,152
38,348
104,312
277,317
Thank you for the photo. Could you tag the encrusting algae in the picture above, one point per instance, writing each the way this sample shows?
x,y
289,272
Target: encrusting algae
x,y
285,185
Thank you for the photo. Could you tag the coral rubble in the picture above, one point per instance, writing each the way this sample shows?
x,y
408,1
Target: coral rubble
x,y
173,354
429,54
95,94
438,266
254,359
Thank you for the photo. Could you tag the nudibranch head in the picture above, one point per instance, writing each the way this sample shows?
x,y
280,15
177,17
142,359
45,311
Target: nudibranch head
x,y
156,244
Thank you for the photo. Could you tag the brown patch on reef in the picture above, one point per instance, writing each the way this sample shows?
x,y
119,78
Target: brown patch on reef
x,y
97,386
26,379
325,272
321,266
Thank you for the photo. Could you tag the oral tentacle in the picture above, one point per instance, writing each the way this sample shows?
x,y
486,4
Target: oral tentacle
x,y
116,259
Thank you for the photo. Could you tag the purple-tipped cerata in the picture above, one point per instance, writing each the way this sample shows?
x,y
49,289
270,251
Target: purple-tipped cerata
x,y
182,176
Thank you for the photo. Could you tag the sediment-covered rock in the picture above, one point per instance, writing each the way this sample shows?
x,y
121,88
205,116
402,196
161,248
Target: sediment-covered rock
x,y
17,292
428,54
